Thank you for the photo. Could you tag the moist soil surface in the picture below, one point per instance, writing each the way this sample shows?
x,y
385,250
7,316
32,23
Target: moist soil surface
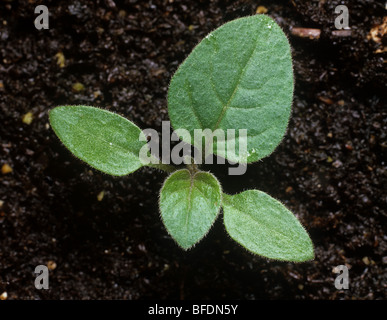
x,y
330,169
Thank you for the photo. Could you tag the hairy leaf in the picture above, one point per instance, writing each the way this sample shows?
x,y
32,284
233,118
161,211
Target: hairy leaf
x,y
105,140
189,205
240,76
264,226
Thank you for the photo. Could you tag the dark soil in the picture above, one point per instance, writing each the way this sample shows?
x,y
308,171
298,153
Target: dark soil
x,y
330,169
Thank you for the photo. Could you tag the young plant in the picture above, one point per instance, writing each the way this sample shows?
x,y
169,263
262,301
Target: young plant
x,y
240,76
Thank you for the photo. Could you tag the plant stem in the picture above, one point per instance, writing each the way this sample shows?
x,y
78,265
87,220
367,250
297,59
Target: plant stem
x,y
164,167
158,164
192,167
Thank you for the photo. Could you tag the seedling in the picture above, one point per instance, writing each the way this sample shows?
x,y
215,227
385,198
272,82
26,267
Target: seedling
x,y
240,76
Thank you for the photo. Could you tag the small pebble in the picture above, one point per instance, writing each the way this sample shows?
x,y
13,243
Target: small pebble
x,y
78,87
4,296
122,13
141,247
341,103
60,59
100,195
348,146
326,100
27,118
261,9
6,168
366,261
51,265
97,94
337,164
378,32
376,125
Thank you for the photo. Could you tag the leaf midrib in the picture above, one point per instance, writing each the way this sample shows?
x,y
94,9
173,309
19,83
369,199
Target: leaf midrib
x,y
192,186
226,106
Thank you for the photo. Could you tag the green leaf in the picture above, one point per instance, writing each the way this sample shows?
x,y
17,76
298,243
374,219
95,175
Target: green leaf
x,y
105,140
264,226
240,76
189,205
